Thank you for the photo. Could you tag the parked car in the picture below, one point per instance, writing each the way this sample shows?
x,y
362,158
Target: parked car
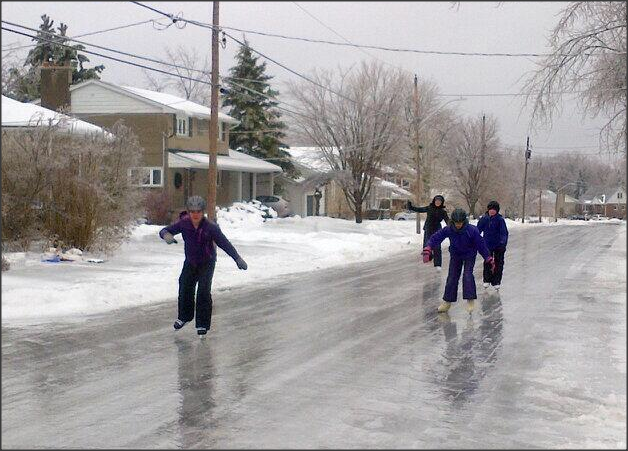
x,y
598,217
277,203
406,215
577,217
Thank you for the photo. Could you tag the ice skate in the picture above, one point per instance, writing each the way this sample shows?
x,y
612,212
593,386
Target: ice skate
x,y
439,268
485,284
201,330
178,324
470,305
444,306
496,287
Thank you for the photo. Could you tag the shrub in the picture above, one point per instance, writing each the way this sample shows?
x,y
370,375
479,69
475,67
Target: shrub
x,y
157,208
74,187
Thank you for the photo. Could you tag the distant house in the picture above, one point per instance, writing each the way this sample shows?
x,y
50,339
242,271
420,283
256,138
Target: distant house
x,y
611,204
174,133
615,203
316,172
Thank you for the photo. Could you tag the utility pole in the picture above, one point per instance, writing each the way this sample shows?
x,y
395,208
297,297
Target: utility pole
x,y
212,174
540,191
525,181
418,152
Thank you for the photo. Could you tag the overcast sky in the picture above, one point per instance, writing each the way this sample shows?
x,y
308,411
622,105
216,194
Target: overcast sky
x,y
472,27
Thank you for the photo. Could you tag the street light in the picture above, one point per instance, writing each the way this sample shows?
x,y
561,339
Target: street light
x,y
556,201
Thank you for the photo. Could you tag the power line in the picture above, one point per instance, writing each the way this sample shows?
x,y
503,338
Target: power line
x,y
362,46
85,34
107,57
109,49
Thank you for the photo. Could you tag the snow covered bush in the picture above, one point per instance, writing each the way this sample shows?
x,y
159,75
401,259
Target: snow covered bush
x,y
72,186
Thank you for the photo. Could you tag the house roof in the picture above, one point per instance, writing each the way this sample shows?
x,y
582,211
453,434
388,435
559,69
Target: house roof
x,y
169,103
18,114
313,158
309,157
236,161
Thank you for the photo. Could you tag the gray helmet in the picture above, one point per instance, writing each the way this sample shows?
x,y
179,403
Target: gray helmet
x,y
459,215
196,203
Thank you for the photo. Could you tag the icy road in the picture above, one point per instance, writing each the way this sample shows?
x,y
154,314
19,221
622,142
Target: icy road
x,y
351,357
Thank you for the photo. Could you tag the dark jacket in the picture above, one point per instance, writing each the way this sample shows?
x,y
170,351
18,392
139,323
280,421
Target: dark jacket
x,y
463,243
435,215
494,231
199,243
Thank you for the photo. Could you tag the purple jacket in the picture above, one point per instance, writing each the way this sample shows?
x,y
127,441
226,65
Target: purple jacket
x,y
463,243
494,230
199,243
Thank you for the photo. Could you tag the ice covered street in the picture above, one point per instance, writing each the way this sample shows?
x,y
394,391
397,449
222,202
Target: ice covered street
x,y
355,357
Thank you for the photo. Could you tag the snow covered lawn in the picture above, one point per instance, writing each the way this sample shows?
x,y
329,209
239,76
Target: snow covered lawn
x,y
145,269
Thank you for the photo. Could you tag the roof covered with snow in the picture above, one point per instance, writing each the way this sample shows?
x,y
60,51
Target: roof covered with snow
x,y
178,103
236,161
309,157
167,103
18,114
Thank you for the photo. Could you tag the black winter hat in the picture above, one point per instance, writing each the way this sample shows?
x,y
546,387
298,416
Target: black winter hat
x,y
442,199
459,215
493,205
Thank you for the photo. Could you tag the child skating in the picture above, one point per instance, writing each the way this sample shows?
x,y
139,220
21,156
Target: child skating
x,y
465,242
493,228
199,235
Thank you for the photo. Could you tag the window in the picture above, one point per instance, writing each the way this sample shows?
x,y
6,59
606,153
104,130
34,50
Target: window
x,y
222,131
146,176
619,195
182,126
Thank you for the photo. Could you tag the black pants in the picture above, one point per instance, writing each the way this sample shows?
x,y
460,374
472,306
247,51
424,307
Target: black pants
x,y
496,277
438,254
190,276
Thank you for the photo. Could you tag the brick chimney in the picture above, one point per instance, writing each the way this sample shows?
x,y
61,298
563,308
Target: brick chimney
x,y
55,86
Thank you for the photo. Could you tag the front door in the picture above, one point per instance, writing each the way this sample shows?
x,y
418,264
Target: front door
x,y
310,206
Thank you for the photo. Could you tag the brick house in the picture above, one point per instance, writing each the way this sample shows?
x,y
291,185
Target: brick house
x,y
174,133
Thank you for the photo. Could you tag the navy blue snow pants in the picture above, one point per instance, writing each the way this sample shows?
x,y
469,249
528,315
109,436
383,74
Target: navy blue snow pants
x,y
190,276
456,265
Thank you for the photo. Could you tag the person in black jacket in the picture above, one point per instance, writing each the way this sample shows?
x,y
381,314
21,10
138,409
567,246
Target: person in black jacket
x,y
436,213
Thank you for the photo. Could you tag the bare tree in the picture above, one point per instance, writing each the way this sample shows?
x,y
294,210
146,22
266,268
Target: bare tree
x,y
355,119
588,56
190,66
474,146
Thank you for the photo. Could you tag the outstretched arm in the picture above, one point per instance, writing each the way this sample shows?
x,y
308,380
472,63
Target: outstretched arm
x,y
418,209
221,240
438,238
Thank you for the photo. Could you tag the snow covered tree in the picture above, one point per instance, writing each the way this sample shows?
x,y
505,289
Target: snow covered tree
x,y
474,149
588,55
26,84
356,121
250,98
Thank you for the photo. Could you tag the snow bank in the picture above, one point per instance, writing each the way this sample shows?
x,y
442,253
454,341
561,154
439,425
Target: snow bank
x,y
145,269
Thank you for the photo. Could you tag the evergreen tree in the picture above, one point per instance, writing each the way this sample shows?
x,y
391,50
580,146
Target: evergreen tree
x,y
551,185
260,131
60,51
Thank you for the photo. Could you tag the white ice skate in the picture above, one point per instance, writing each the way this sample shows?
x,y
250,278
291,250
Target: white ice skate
x,y
439,268
470,305
485,284
444,306
496,287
